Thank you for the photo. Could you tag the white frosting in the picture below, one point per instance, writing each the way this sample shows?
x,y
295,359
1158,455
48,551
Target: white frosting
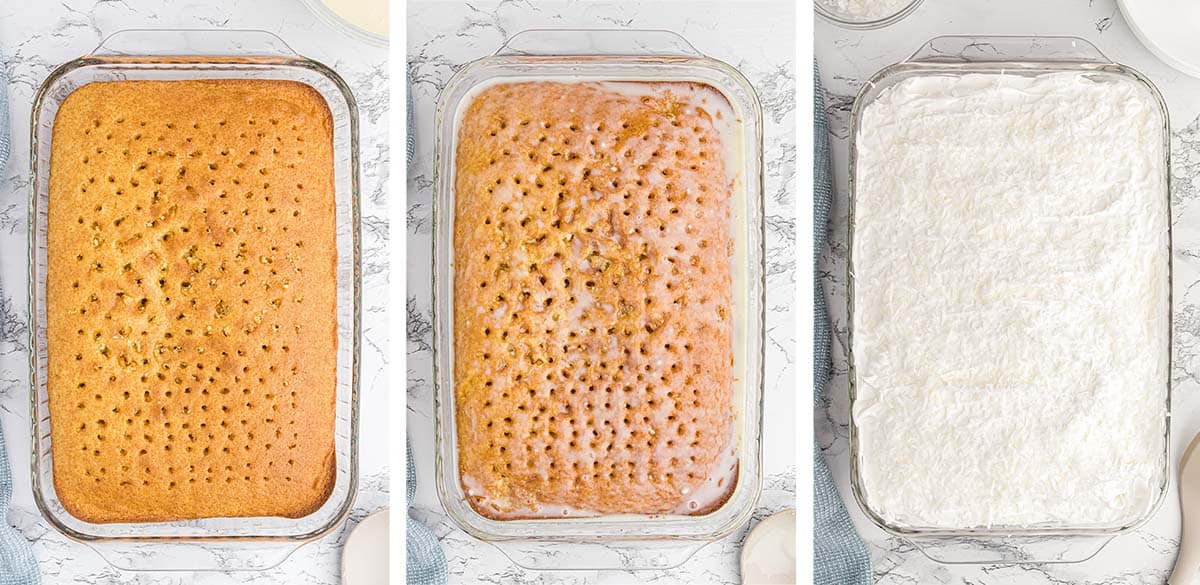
x,y
864,10
1011,327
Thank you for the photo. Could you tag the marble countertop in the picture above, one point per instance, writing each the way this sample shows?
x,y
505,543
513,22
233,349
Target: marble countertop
x,y
35,40
847,58
444,36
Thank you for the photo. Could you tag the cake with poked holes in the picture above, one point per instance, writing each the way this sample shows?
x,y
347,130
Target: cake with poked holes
x,y
593,314
191,297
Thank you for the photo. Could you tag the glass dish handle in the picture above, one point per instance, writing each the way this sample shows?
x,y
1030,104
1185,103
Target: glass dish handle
x,y
195,556
977,49
1002,550
585,42
193,42
631,555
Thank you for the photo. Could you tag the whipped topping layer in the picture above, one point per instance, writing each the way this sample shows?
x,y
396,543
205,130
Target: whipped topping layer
x,y
1011,301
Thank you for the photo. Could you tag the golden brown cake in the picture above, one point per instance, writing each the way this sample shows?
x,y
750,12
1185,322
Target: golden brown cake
x,y
190,301
592,293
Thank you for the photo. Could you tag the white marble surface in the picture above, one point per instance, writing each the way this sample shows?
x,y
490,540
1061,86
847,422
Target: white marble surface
x,y
848,58
756,38
35,37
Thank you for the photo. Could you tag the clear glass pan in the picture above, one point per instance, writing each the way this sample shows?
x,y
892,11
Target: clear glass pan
x,y
217,543
962,55
614,541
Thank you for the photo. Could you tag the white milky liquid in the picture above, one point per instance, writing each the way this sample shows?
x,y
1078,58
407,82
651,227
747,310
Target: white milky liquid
x,y
369,15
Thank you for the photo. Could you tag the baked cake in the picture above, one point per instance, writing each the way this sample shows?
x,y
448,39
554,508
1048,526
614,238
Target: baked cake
x,y
191,295
593,299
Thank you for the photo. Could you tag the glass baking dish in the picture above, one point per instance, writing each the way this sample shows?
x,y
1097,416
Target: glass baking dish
x,y
216,543
611,541
1028,56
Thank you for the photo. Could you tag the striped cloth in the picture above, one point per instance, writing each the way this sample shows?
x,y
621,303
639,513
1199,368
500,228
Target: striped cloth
x,y
17,565
426,563
839,556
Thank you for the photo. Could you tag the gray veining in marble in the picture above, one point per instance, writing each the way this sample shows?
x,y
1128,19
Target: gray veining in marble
x,y
847,59
35,37
756,38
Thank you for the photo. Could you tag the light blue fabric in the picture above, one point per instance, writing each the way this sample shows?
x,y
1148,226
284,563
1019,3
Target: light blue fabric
x,y
410,140
426,563
3,119
17,565
839,555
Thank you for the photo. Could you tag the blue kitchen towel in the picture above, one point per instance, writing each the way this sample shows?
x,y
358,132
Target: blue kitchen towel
x,y
839,555
17,565
409,138
426,561
3,121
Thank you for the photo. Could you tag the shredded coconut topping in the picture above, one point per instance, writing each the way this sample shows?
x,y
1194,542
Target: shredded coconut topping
x,y
1011,299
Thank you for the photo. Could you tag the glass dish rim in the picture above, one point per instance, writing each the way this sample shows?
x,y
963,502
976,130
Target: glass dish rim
x,y
872,24
324,13
916,65
603,527
249,60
